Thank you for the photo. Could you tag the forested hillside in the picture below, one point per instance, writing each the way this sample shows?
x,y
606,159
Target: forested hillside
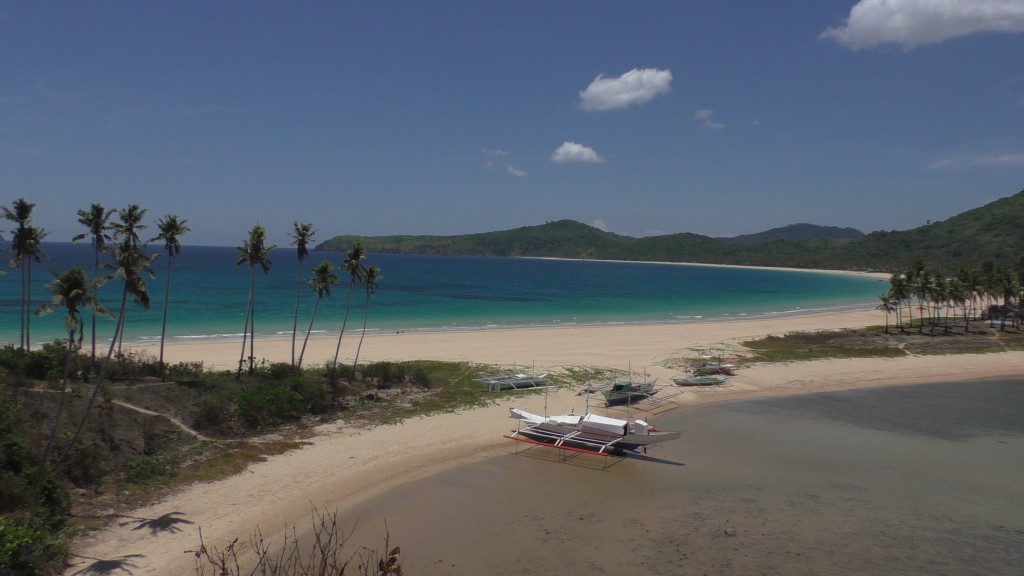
x,y
993,233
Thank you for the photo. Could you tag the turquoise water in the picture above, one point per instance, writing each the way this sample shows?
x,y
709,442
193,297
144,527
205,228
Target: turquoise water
x,y
432,293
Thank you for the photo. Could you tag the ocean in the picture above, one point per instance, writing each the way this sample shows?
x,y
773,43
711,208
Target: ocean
x,y
433,293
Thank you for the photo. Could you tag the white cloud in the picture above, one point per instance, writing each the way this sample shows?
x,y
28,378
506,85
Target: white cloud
x,y
600,225
978,161
495,161
634,87
915,23
573,152
704,117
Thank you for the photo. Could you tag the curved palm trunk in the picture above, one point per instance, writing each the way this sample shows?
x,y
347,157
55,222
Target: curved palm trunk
x,y
95,273
344,322
245,331
252,325
295,321
99,379
60,406
24,302
163,328
120,340
28,306
366,314
316,307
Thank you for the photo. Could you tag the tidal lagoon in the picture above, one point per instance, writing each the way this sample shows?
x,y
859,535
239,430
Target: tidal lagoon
x,y
918,479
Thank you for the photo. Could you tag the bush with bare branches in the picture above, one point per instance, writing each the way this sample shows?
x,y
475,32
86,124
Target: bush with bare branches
x,y
326,554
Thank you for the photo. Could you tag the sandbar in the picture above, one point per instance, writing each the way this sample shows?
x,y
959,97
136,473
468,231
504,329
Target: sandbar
x,y
345,465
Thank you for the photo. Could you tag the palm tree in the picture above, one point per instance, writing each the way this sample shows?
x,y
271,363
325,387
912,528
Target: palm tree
x,y
888,306
253,252
127,229
922,287
956,291
322,281
26,246
131,262
354,267
371,280
939,295
1006,288
302,236
130,223
70,290
969,285
170,229
898,290
97,220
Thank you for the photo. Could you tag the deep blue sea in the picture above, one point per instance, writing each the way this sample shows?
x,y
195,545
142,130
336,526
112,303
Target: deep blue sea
x,y
434,293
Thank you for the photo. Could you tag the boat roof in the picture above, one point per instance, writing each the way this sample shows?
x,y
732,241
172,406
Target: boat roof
x,y
598,419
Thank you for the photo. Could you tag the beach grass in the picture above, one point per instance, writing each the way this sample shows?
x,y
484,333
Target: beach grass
x,y
874,342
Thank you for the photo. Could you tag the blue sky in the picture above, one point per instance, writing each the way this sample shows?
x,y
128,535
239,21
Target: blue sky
x,y
374,118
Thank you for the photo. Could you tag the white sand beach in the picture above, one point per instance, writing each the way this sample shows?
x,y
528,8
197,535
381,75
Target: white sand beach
x,y
343,466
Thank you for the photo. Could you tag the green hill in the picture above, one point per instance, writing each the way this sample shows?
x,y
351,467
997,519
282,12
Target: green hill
x,y
801,231
561,239
993,232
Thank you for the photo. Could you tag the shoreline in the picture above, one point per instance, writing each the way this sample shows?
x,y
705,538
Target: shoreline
x,y
877,275
484,345
145,328
344,465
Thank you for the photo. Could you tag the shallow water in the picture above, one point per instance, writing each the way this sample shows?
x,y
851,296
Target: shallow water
x,y
905,480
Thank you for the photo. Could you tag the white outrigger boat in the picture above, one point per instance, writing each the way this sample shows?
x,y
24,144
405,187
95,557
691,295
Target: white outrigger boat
x,y
589,433
699,379
512,381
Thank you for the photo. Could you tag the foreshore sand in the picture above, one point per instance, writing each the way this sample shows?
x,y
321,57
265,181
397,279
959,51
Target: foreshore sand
x,y
344,465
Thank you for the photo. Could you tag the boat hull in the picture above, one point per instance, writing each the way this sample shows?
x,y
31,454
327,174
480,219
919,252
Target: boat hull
x,y
700,380
590,432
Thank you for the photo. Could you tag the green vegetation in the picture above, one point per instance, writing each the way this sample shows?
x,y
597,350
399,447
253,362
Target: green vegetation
x,y
119,430
874,342
145,436
990,233
991,292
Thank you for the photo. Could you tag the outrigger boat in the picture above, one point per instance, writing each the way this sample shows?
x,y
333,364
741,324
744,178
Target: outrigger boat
x,y
699,379
590,433
511,381
628,392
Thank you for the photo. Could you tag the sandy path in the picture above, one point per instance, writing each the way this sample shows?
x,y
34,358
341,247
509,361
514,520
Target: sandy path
x,y
344,465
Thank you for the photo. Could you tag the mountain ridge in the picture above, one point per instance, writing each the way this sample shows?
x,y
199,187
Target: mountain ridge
x,y
992,232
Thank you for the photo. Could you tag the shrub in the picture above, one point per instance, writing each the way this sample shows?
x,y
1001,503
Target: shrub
x,y
264,405
41,364
280,371
324,552
422,377
150,470
22,547
387,374
83,464
189,371
313,395
50,502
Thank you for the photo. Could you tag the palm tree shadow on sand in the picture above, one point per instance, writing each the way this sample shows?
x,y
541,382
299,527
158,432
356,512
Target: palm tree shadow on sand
x,y
123,564
156,526
100,567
